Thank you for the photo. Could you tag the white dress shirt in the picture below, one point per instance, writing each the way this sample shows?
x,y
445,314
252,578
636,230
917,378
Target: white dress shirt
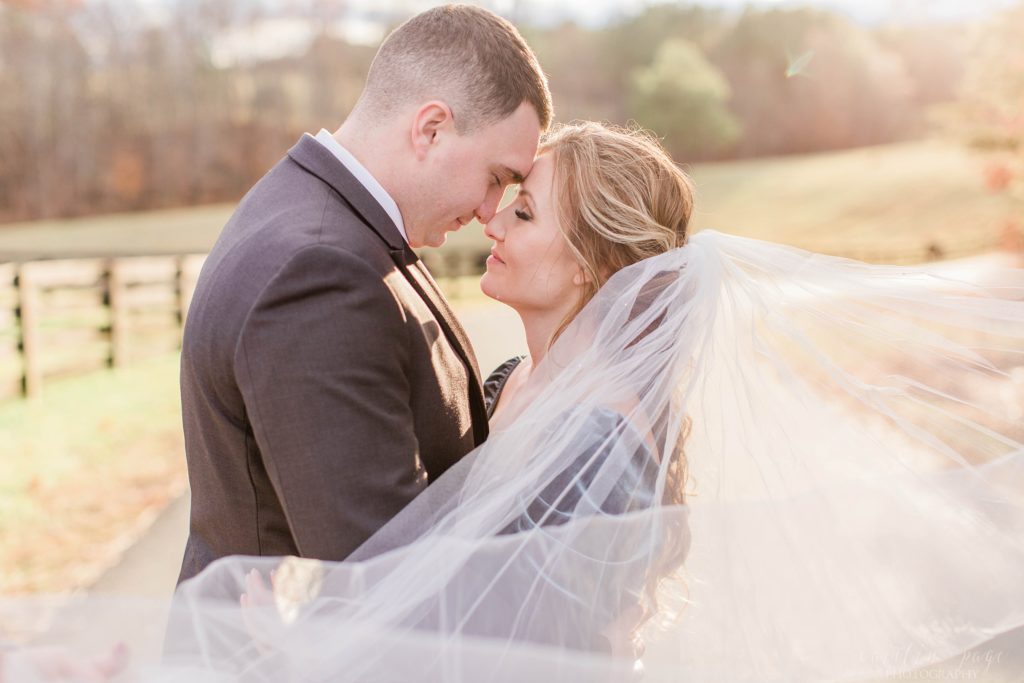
x,y
364,177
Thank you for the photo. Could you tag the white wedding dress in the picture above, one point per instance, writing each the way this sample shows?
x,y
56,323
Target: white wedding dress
x,y
769,464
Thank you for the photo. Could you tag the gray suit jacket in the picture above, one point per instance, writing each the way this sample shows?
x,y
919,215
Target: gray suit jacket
x,y
324,379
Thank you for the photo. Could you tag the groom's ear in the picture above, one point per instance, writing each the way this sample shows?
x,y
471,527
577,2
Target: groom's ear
x,y
432,119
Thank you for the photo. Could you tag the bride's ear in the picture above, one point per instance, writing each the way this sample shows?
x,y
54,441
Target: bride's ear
x,y
587,276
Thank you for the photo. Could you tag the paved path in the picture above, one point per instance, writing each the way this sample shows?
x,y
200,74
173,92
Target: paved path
x,y
150,567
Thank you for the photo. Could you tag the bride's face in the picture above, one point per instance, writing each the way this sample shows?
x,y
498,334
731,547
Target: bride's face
x,y
531,267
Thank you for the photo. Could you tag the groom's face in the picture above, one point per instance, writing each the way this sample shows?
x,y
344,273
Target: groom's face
x,y
469,174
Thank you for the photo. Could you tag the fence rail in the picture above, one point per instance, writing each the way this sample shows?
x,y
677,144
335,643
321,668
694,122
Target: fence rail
x,y
69,317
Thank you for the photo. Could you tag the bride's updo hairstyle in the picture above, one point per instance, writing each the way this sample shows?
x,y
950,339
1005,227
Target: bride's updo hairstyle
x,y
620,199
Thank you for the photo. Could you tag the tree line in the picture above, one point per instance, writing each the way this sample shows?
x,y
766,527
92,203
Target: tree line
x,y
107,109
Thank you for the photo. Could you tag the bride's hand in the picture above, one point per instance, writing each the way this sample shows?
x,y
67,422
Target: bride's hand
x,y
258,611
58,664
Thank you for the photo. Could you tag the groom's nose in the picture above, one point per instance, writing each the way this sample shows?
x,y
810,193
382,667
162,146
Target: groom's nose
x,y
486,211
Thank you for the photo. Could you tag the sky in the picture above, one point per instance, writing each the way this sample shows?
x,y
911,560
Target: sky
x,y
366,21
596,12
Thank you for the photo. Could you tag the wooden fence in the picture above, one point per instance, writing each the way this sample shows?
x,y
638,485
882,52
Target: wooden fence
x,y
68,317
60,318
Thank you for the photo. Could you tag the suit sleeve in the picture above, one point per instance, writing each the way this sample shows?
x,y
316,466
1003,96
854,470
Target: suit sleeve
x,y
321,366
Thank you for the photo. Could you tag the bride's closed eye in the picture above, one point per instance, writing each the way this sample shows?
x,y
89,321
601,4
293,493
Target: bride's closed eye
x,y
523,198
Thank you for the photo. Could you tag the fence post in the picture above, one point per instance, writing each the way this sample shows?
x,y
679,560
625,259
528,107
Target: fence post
x,y
28,325
190,266
184,286
115,301
179,292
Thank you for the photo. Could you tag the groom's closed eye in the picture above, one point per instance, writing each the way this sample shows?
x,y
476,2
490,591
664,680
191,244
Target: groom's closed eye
x,y
509,175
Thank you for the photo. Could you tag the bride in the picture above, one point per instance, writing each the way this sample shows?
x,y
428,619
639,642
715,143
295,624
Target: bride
x,y
735,460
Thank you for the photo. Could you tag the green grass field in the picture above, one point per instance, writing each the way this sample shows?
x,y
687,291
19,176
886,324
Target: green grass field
x,y
869,203
86,468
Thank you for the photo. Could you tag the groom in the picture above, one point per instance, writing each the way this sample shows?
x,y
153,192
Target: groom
x,y
324,379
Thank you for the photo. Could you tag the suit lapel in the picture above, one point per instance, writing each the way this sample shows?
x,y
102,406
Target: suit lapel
x,y
434,292
322,163
424,284
319,161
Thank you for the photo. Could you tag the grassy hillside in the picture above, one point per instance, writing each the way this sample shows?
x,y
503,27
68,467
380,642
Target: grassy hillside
x,y
872,203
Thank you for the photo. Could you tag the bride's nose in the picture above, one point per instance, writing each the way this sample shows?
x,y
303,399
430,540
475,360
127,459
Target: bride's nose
x,y
494,228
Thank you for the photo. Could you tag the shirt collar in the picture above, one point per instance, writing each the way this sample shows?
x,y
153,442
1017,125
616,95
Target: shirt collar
x,y
364,177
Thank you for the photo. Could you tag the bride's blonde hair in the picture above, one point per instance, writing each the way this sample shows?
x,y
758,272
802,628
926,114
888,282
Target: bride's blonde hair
x,y
619,196
620,199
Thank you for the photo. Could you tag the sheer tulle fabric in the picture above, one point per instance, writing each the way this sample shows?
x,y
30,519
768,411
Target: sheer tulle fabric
x,y
767,465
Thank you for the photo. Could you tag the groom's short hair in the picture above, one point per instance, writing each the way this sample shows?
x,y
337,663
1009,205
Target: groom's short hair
x,y
469,57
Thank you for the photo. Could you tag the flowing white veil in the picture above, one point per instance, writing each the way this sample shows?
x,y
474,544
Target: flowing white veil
x,y
770,465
